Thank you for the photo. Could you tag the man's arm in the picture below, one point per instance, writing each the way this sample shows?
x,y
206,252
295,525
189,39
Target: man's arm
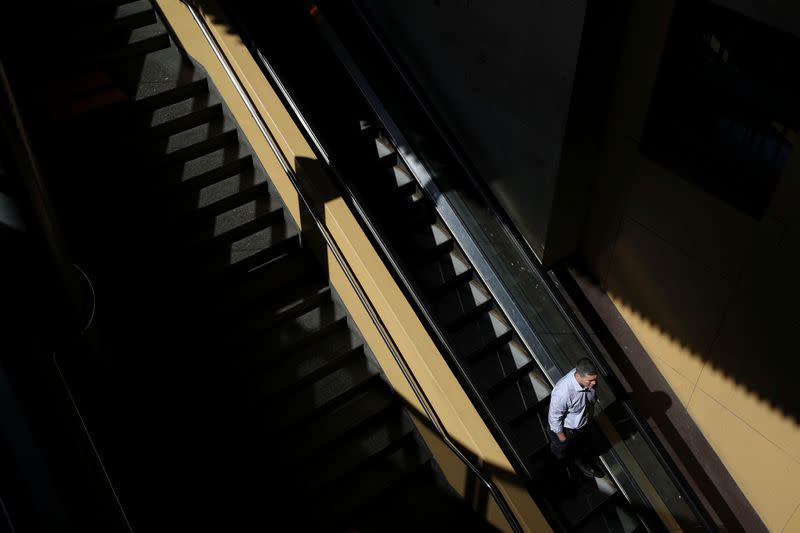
x,y
559,407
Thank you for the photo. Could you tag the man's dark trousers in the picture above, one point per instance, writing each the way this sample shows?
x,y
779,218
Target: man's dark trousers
x,y
577,446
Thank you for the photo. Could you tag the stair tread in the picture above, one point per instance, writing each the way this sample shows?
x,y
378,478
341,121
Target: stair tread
x,y
320,395
264,346
126,45
222,194
372,402
270,310
346,456
182,115
232,223
296,368
190,143
160,77
371,482
98,23
206,169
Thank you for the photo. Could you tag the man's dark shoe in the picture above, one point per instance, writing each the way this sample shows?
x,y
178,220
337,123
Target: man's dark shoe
x,y
589,470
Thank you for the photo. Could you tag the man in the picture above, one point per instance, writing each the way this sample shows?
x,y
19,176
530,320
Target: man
x,y
571,408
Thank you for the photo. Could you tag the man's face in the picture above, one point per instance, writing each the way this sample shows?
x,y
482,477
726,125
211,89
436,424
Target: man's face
x,y
588,381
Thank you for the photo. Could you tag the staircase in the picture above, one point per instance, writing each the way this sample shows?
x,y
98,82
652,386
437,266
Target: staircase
x,y
225,385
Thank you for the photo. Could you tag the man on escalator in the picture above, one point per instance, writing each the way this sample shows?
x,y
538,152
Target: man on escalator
x,y
570,417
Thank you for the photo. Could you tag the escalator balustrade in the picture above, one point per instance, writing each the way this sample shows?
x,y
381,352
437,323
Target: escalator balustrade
x,y
495,359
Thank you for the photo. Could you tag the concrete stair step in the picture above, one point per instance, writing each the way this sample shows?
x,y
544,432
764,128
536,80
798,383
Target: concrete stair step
x,y
295,371
369,444
204,170
368,484
223,195
374,403
318,397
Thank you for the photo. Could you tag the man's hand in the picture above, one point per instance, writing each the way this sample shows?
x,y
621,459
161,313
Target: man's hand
x,y
562,436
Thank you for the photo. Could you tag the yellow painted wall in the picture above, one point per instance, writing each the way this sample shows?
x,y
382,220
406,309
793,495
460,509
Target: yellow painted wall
x,y
705,288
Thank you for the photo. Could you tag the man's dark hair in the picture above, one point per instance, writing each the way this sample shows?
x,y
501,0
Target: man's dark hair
x,y
585,367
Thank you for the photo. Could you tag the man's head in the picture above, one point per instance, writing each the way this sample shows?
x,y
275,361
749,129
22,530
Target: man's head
x,y
586,373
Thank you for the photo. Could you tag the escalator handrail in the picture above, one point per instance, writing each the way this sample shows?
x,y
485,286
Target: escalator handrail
x,y
334,249
527,335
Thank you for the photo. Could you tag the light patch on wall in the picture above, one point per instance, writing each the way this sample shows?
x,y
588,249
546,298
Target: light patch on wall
x,y
773,424
679,365
768,477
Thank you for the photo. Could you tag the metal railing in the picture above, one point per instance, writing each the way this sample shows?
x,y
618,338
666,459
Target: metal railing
x,y
338,256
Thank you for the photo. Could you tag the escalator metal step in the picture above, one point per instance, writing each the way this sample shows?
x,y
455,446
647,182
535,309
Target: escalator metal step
x,y
499,363
531,435
429,242
461,304
403,182
385,151
584,497
515,397
476,335
613,516
443,273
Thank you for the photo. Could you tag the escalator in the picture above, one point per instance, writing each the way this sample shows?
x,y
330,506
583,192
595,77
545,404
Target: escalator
x,y
506,380
486,347
222,379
